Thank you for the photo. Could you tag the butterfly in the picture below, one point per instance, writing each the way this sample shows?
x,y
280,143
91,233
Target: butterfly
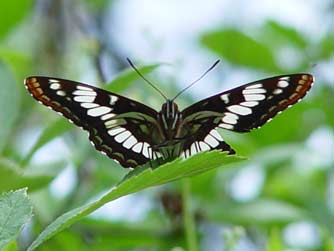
x,y
133,134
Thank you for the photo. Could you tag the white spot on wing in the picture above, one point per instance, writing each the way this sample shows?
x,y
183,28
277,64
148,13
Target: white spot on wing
x,y
115,131
193,148
285,78
282,83
108,116
122,136
254,97
203,146
145,150
86,99
84,88
277,91
255,86
226,126
211,141
53,80
254,91
225,98
130,142
98,111
89,105
215,134
85,93
54,86
137,148
239,109
61,93
249,103
230,118
113,99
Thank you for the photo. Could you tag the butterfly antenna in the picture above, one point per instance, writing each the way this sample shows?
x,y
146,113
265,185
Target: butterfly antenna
x,y
207,71
146,80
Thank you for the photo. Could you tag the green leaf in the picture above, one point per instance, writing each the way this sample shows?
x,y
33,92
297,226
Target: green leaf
x,y
55,129
240,49
15,211
12,13
127,77
9,103
12,177
139,179
260,212
275,242
279,35
325,47
12,246
18,62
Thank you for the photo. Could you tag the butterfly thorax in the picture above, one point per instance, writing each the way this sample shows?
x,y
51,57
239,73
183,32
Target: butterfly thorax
x,y
170,131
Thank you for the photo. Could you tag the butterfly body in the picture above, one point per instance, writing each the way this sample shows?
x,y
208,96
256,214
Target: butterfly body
x,y
133,133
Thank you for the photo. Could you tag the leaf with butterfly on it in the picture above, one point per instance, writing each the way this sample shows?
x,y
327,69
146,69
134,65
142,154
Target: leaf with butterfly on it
x,y
139,179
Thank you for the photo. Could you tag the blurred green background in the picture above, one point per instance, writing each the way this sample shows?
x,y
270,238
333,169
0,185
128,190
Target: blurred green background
x,y
281,198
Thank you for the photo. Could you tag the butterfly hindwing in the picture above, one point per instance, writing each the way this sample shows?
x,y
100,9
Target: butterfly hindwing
x,y
111,120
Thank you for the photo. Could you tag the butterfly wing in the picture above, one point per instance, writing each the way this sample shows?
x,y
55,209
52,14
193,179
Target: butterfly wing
x,y
244,108
117,126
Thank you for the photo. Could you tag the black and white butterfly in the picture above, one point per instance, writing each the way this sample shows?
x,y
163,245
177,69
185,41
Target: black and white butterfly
x,y
133,133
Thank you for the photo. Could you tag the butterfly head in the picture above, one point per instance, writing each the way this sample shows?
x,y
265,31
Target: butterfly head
x,y
169,115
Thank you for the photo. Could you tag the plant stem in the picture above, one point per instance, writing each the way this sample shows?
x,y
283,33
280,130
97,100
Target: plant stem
x,y
188,217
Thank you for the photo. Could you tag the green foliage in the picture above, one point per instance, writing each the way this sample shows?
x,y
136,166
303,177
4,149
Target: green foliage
x,y
240,49
127,77
260,212
12,177
139,179
53,130
9,94
275,242
12,13
15,211
297,177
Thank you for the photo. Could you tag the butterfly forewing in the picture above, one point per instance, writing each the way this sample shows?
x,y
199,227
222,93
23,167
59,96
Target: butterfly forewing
x,y
112,121
248,106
